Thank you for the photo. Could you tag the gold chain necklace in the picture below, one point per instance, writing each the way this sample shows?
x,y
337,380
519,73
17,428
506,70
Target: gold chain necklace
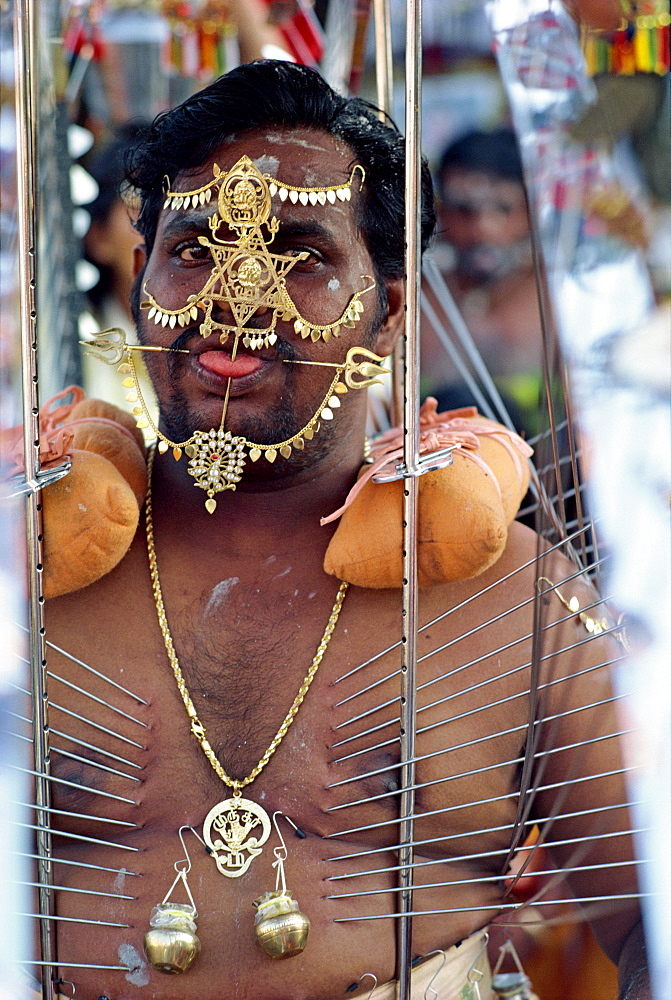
x,y
229,825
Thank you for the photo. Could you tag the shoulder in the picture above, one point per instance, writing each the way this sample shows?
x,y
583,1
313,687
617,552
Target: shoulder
x,y
513,572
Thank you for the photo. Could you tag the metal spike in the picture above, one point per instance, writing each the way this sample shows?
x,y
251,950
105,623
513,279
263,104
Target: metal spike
x,y
459,607
77,741
67,835
73,965
71,888
73,920
477,770
78,815
477,802
479,739
93,697
77,864
482,831
86,666
483,879
95,764
500,907
71,784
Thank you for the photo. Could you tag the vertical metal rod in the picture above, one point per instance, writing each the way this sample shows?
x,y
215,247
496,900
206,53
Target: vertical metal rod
x,y
384,78
26,36
384,66
413,270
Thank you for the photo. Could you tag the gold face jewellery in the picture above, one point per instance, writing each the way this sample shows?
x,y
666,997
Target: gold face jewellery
x,y
216,457
246,275
235,829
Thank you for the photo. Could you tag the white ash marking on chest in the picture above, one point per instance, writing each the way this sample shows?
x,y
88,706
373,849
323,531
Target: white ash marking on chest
x,y
138,973
285,572
120,880
219,594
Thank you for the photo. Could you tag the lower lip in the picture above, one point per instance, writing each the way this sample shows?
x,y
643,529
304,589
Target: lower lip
x,y
219,363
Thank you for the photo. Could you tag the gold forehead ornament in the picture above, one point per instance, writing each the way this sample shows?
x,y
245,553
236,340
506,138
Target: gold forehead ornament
x,y
304,195
247,275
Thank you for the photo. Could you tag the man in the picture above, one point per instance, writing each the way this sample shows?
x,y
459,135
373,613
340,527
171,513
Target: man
x,y
267,283
484,224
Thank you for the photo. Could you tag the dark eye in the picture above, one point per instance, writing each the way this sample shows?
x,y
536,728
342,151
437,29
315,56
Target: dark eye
x,y
307,257
192,253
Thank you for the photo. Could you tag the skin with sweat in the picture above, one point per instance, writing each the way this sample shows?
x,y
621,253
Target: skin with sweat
x,y
247,602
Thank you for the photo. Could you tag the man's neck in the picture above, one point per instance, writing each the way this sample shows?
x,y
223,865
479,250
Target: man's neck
x,y
258,513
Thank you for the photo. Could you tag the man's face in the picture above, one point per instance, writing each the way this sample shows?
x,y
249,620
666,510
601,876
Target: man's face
x,y
269,399
486,220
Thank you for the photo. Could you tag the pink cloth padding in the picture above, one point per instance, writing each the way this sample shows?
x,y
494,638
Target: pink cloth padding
x,y
439,430
56,434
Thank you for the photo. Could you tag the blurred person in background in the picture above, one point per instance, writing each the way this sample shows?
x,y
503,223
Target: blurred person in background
x,y
485,254
111,237
109,245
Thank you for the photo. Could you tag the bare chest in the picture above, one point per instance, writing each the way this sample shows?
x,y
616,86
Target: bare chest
x,y
245,655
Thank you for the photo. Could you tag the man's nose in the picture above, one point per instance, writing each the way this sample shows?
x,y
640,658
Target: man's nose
x,y
485,225
229,304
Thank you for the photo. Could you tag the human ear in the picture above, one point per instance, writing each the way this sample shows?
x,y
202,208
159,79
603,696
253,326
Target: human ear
x,y
391,329
139,258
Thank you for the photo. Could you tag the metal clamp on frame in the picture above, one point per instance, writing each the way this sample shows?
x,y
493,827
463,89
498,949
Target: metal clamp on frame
x,y
26,487
428,463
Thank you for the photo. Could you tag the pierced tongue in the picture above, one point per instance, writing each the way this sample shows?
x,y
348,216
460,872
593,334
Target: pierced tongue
x,y
220,362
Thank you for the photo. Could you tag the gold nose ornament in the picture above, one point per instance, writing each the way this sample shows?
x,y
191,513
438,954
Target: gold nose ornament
x,y
171,944
280,927
247,274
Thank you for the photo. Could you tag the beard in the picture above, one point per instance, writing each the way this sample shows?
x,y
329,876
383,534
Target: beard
x,y
277,423
487,262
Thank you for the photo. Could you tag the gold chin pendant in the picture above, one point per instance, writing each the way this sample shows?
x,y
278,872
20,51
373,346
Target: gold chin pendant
x,y
235,830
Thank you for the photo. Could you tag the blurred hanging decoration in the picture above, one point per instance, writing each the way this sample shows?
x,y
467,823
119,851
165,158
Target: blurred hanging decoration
x,y
615,343
300,28
115,50
362,11
82,42
639,43
82,31
202,42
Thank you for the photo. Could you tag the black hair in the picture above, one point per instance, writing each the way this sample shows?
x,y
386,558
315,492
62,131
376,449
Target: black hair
x,y
495,153
269,93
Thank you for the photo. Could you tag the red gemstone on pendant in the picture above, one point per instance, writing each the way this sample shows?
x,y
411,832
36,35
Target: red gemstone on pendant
x,y
214,458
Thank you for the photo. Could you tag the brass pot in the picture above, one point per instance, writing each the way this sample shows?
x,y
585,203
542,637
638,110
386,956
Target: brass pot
x,y
512,986
171,945
281,929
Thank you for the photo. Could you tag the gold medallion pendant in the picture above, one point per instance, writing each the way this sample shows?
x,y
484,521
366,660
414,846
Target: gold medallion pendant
x,y
235,830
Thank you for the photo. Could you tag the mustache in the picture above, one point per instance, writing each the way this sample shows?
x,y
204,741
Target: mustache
x,y
283,348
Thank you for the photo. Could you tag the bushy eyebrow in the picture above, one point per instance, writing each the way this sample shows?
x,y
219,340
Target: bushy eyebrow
x,y
293,229
195,223
183,225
